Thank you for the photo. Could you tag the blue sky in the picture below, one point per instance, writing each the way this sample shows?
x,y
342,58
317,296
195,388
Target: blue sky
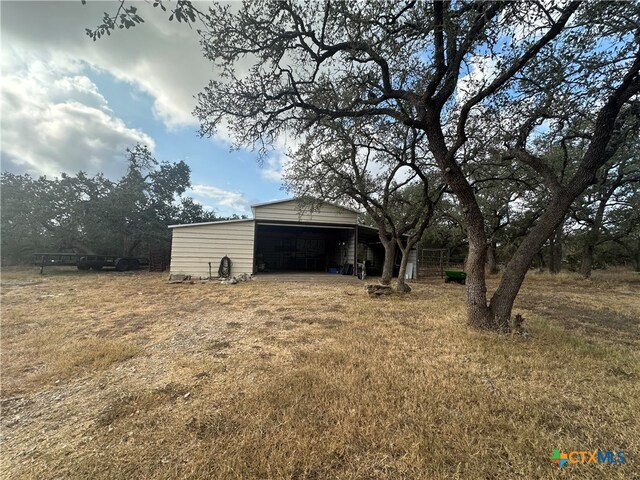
x,y
213,164
70,104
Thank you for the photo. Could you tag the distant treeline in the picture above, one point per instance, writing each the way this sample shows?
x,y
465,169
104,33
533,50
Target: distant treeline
x,y
92,214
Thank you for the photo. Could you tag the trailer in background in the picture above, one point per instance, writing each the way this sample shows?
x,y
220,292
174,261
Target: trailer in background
x,y
86,262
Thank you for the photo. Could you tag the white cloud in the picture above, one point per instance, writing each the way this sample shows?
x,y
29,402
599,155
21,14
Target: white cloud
x,y
277,162
482,70
273,168
225,201
55,120
161,58
210,208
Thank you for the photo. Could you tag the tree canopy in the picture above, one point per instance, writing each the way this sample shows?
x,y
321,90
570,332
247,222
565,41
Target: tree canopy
x,y
94,214
383,167
550,87
524,75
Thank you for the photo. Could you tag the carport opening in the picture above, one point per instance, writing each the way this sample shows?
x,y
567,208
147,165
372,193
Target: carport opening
x,y
370,250
284,248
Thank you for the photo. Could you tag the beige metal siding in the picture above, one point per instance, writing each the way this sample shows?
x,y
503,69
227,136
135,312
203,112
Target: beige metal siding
x,y
289,212
192,248
413,258
351,249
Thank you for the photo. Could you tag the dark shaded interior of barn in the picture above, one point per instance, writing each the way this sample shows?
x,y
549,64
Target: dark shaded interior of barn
x,y
287,248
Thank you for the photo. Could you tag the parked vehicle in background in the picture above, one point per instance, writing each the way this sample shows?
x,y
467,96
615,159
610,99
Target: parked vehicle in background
x,y
87,262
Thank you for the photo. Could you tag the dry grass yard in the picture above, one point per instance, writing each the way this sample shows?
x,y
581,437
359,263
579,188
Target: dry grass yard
x,y
109,375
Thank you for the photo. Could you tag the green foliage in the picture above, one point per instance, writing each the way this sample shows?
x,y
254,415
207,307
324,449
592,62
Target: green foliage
x,y
447,229
93,214
127,17
606,219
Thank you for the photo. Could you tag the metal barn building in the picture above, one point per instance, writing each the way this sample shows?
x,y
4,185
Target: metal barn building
x,y
282,237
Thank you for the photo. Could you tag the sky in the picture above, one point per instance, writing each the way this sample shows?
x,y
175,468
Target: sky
x,y
70,104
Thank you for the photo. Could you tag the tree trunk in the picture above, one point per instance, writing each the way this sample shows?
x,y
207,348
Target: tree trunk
x,y
540,262
594,234
130,244
491,257
549,222
402,284
479,315
587,260
389,256
555,252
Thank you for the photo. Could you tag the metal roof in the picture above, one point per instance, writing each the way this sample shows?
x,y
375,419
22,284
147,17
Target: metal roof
x,y
211,223
273,202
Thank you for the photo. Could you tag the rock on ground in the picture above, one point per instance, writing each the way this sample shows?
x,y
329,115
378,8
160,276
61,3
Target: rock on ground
x,y
243,277
376,290
403,288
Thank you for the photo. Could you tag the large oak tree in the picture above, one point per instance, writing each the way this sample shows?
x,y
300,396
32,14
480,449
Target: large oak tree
x,y
566,70
415,62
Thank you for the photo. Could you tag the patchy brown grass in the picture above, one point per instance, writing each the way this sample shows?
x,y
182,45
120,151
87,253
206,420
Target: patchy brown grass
x,y
123,376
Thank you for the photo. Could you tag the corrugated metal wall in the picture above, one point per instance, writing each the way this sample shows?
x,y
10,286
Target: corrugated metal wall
x,y
413,258
288,212
351,248
193,247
